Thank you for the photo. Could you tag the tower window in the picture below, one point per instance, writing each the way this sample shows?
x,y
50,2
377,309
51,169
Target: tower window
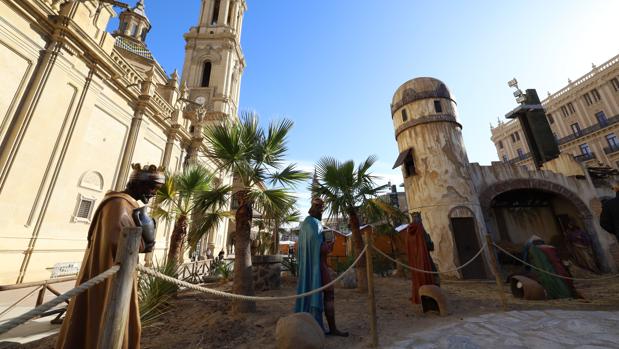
x,y
550,118
409,165
144,33
500,144
123,27
229,20
596,95
437,107
615,83
215,17
404,115
134,30
206,74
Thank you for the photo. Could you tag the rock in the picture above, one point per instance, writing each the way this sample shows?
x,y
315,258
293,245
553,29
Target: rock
x,y
299,331
349,280
433,298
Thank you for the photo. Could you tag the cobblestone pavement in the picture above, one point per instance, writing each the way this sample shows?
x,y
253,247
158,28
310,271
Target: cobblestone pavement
x,y
523,329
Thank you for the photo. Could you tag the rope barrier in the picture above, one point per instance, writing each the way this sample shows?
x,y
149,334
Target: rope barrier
x,y
553,274
243,297
38,311
433,272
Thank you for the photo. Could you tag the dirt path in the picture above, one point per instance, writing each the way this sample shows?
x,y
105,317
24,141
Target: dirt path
x,y
200,321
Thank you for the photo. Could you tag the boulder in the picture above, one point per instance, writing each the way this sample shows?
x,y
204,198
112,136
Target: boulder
x,y
349,280
299,331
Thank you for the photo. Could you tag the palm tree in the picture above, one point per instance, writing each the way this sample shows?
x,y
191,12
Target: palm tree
x,y
275,217
256,158
345,189
191,193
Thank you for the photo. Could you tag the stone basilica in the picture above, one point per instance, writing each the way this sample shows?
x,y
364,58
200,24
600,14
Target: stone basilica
x,y
79,104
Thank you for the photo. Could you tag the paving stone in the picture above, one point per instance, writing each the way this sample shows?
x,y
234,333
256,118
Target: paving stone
x,y
531,329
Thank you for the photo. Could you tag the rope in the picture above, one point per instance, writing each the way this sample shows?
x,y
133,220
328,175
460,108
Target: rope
x,y
433,272
38,311
553,274
243,297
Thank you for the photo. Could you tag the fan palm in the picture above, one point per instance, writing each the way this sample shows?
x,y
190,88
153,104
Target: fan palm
x,y
345,189
256,158
191,193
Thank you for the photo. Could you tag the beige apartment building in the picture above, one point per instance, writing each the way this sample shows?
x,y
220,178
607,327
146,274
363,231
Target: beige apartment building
x,y
78,105
584,117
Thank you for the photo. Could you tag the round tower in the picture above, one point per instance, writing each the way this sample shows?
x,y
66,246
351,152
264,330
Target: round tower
x,y
436,174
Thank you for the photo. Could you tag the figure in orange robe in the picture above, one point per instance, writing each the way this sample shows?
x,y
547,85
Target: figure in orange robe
x,y
418,257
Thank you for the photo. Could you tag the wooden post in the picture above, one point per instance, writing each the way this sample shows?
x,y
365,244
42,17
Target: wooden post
x,y
41,295
494,266
371,298
119,298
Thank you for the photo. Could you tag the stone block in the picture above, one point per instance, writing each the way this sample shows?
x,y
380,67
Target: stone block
x,y
299,331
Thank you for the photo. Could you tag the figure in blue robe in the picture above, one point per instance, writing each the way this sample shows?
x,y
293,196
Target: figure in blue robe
x,y
308,257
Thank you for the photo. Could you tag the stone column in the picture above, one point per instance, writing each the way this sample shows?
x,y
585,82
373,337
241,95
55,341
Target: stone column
x,y
223,12
29,102
234,9
147,91
167,153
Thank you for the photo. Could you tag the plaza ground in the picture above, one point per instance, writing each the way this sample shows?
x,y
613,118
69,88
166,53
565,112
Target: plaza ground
x,y
201,321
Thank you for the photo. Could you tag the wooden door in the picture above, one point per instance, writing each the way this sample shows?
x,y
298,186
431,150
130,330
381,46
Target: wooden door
x,y
468,245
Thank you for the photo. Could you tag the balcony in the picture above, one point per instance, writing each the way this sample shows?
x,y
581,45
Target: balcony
x,y
584,157
613,148
520,158
588,130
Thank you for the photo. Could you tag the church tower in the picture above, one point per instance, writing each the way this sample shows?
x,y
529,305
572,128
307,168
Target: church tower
x,y
214,61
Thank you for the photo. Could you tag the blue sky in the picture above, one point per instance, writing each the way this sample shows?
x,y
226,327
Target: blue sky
x,y
332,66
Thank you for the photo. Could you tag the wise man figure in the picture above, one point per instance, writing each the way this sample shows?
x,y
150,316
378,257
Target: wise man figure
x,y
118,210
313,271
418,256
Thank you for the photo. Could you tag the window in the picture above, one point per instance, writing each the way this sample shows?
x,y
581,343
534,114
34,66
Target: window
x,y
596,95
615,83
505,159
517,136
134,30
215,12
570,108
584,149
612,140
550,118
564,111
500,144
437,107
587,98
513,138
229,20
409,164
601,118
404,115
84,209
576,129
144,33
123,27
206,74
520,154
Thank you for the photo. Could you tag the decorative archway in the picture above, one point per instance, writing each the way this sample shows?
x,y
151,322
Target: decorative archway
x,y
584,212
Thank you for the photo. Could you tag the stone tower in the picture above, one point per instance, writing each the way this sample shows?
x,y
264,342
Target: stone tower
x,y
214,60
435,169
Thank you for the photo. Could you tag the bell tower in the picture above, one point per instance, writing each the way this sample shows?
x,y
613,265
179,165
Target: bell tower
x,y
214,60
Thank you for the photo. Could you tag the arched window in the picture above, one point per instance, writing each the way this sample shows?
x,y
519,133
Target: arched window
x,y
215,12
206,74
404,115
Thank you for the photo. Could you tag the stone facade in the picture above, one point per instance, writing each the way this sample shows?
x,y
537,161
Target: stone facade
x,y
78,105
584,116
461,203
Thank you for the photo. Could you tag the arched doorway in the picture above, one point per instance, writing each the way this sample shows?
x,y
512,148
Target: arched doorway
x,y
518,209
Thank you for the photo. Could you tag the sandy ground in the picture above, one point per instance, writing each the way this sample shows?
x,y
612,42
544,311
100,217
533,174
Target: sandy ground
x,y
201,321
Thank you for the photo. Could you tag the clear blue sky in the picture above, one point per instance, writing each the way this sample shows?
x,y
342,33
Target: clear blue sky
x,y
333,66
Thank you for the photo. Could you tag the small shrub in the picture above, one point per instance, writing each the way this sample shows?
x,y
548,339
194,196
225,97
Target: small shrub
x,y
154,294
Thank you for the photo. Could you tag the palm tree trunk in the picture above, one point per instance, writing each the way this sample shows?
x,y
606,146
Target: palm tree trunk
x,y
243,276
275,247
175,253
357,241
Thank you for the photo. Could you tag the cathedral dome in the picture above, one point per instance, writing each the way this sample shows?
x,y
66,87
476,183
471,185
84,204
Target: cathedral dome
x,y
420,88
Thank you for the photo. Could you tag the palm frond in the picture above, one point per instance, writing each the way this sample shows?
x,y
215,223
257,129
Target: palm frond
x,y
209,222
289,176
